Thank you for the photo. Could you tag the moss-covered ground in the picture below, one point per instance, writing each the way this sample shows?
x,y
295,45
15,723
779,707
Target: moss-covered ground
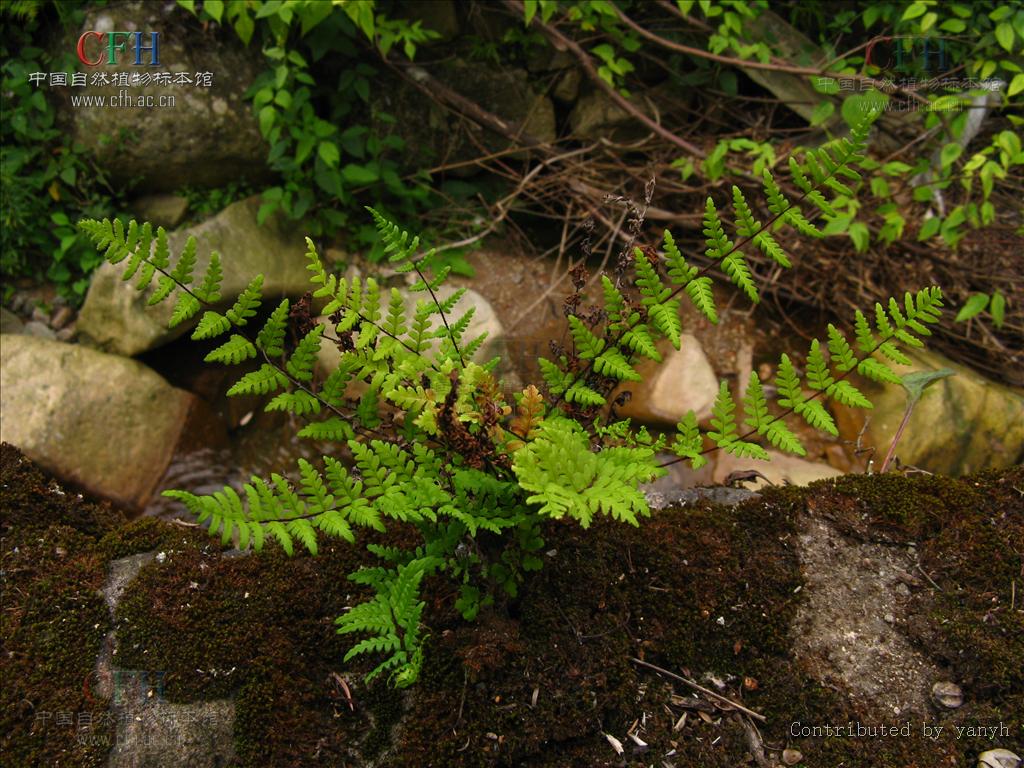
x,y
705,592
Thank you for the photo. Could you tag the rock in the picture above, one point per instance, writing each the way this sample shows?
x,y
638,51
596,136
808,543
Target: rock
x,y
39,329
431,131
998,758
67,334
115,316
61,317
150,730
683,381
779,469
208,137
962,424
947,695
103,422
10,322
596,115
792,756
40,315
485,319
167,211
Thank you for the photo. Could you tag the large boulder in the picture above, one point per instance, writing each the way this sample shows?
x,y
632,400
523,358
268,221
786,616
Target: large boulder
x,y
209,135
115,317
106,423
962,424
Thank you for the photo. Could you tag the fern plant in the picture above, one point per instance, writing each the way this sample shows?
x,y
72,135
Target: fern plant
x,y
428,439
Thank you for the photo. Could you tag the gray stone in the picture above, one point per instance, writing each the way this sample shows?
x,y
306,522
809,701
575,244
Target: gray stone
x,y
151,731
115,317
962,424
208,137
103,422
40,329
682,382
947,695
998,758
167,211
10,322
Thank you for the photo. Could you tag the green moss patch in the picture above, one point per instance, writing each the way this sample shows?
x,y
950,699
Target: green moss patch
x,y
54,620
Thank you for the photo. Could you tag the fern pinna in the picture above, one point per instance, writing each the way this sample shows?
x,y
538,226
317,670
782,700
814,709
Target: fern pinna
x,y
426,436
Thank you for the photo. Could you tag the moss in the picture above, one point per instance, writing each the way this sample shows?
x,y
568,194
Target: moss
x,y
54,621
32,499
147,534
539,682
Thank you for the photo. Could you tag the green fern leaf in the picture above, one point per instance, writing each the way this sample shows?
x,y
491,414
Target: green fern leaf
x,y
638,340
333,428
184,309
247,304
665,318
300,364
612,363
844,392
182,272
211,325
271,337
262,382
300,403
209,291
688,442
842,354
817,369
233,351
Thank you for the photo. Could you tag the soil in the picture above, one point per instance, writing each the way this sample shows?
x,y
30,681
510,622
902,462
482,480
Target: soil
x,y
751,602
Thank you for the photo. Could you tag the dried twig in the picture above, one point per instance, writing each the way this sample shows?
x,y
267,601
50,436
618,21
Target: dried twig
x,y
701,688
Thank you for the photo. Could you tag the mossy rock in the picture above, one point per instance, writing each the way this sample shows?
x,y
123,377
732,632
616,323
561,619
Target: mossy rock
x,y
706,592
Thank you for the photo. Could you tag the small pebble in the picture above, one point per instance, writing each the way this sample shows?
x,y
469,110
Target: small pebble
x,y
792,756
998,758
67,334
61,317
948,695
889,618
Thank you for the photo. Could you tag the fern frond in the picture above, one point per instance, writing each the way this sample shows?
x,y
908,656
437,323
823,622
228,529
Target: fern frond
x,y
688,442
247,303
262,382
271,336
211,325
232,352
300,403
300,364
209,291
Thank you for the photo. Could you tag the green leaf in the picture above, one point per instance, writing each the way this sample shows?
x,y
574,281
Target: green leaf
x,y
822,112
974,306
328,152
1004,35
998,309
